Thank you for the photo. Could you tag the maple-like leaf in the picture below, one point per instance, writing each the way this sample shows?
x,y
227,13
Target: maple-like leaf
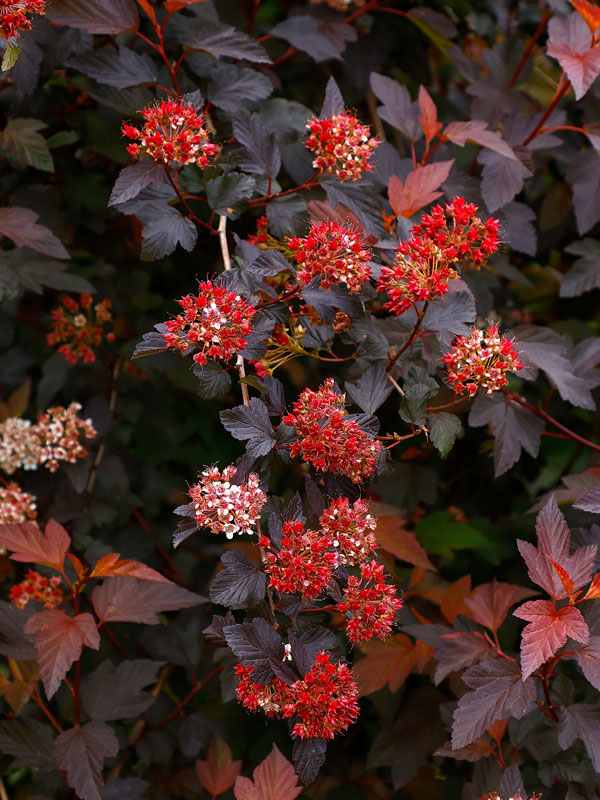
x,y
392,535
489,603
476,130
80,752
218,773
593,592
475,751
458,650
428,119
581,721
570,43
554,538
134,600
419,189
273,779
389,662
453,599
112,565
588,658
547,631
58,641
29,544
499,693
590,13
563,576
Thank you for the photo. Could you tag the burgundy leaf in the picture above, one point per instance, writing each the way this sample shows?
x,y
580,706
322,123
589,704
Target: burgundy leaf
x,y
29,544
111,693
480,748
428,119
489,603
20,225
459,650
581,721
570,43
133,600
80,752
590,501
93,16
113,565
59,640
583,173
308,756
588,658
419,189
499,693
502,178
547,631
218,773
476,130
273,779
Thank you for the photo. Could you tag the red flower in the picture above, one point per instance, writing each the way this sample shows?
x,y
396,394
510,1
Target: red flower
x,y
13,15
350,528
335,253
270,697
341,145
481,360
37,587
172,131
79,325
371,604
327,438
216,322
16,505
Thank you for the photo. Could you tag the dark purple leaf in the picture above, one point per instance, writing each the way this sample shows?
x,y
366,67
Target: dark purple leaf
x,y
327,302
590,501
334,102
583,173
287,215
186,527
588,658
80,752
110,692
13,641
398,109
261,154
371,390
165,228
29,742
133,600
95,16
221,40
308,756
250,424
122,69
214,383
584,275
153,342
134,178
20,225
242,583
581,721
458,650
322,39
214,633
257,645
232,88
125,789
502,178
522,235
360,199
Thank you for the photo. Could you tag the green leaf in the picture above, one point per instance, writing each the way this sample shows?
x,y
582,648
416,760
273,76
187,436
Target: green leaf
x,y
61,139
439,533
228,194
443,430
26,146
11,56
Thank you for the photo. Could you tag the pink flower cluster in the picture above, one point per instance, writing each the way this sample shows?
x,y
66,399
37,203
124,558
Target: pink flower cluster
x,y
14,15
172,131
215,321
335,253
341,145
481,360
79,325
37,587
370,603
55,437
423,264
327,438
350,528
322,704
16,506
226,507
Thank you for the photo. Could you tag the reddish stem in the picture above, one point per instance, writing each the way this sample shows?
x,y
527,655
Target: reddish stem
x,y
561,89
529,49
186,205
197,688
308,184
388,10
411,338
367,7
41,705
113,639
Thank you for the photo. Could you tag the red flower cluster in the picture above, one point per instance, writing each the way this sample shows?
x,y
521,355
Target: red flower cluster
x,y
423,268
323,703
225,507
13,15
261,235
79,325
481,360
216,322
304,563
16,506
341,145
371,604
173,131
334,252
37,587
350,529
327,438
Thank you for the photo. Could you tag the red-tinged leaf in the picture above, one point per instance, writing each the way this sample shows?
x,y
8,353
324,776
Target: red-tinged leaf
x,y
29,544
148,9
388,662
423,654
58,641
589,501
459,650
475,751
499,693
393,536
453,601
80,753
498,729
109,16
582,69
489,603
590,13
273,779
581,721
218,773
476,130
134,600
79,568
419,189
547,631
588,658
563,575
554,538
428,119
176,5
593,593
112,565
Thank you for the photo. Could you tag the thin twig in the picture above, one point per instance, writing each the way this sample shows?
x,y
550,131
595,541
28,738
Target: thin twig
x,y
111,406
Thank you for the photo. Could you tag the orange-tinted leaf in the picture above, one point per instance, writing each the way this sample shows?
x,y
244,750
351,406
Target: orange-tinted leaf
x,y
18,691
385,662
111,565
476,130
498,729
480,748
59,640
80,570
453,602
593,593
29,544
489,603
564,576
175,5
419,189
274,779
218,773
133,600
423,654
428,119
393,536
17,402
148,9
590,13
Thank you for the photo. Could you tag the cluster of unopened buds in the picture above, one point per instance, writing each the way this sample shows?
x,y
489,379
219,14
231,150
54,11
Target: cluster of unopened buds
x,y
79,325
16,506
350,527
335,253
370,604
14,16
172,131
55,437
328,438
39,588
215,322
261,236
342,145
424,264
226,507
320,705
481,360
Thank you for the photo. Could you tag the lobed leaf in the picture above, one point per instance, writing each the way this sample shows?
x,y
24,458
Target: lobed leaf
x,y
133,600
29,544
111,693
218,773
81,751
112,565
273,779
242,583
